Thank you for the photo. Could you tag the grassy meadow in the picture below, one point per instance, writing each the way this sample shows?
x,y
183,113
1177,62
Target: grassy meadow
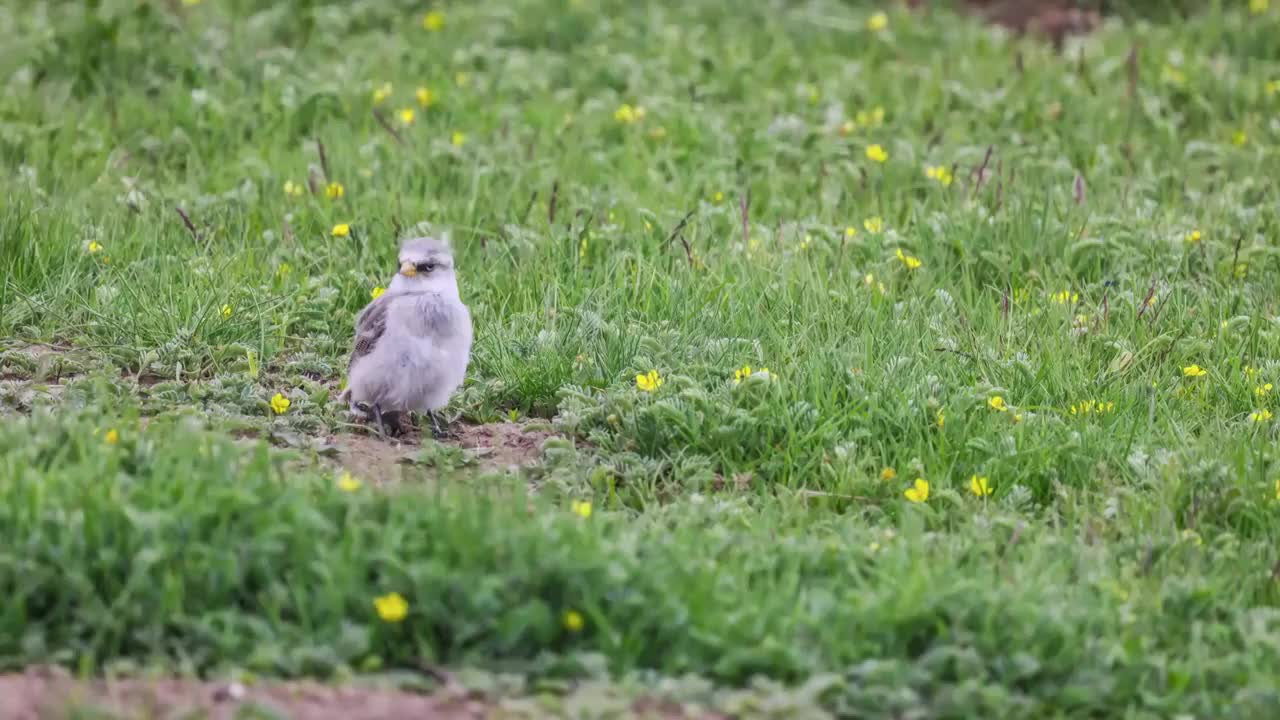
x,y
881,364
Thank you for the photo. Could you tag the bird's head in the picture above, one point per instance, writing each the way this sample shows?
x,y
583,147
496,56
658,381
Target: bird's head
x,y
426,265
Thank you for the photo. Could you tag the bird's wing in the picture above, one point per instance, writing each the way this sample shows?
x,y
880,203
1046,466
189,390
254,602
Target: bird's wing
x,y
371,324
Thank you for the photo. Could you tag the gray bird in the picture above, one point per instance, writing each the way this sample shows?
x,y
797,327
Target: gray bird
x,y
413,342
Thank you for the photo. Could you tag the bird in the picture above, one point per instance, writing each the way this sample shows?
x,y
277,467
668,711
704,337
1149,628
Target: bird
x,y
412,342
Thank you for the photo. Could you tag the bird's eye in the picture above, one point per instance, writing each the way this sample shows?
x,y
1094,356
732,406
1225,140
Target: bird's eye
x,y
426,267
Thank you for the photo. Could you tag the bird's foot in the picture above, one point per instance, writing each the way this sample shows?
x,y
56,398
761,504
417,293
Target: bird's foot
x,y
440,431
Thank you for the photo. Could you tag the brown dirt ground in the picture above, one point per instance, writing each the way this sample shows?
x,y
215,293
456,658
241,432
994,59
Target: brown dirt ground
x,y
50,694
495,447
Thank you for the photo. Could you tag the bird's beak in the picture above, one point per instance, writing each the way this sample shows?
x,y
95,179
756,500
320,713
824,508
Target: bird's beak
x,y
407,269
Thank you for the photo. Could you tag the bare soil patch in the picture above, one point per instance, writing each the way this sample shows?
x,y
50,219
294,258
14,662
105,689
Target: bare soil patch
x,y
491,447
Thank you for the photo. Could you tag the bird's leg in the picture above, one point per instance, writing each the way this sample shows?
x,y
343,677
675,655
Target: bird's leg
x,y
392,420
437,432
377,415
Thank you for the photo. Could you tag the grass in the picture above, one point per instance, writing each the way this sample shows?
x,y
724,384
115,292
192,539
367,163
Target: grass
x,y
1040,320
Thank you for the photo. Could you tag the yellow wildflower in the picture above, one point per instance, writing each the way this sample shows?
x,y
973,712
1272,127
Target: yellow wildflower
x,y
980,486
433,21
348,483
391,607
581,508
1173,76
918,492
95,247
1066,297
717,197
341,230
908,261
626,114
941,420
1260,416
292,189
879,21
377,292
888,474
745,372
573,621
997,403
873,224
649,382
280,404
1193,537
406,116
458,138
334,190
940,173
1193,371
425,98
1240,138
877,153
381,93
873,118
112,437
1194,237
1262,390
226,311
283,271
850,231
1257,7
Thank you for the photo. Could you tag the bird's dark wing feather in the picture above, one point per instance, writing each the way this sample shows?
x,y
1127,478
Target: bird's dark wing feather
x,y
371,323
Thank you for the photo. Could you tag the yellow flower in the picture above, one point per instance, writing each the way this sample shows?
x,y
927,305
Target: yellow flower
x,y
745,372
377,292
908,261
433,21
1192,537
718,197
980,486
1260,416
1262,390
112,437
649,382
573,621
292,189
918,492
877,153
850,231
280,404
873,224
1193,371
873,118
391,607
627,114
381,93
458,138
341,230
95,247
997,403
879,21
347,483
425,98
940,173
581,508
334,190
1173,76
1257,7
406,116
888,474
283,271
941,420
1239,138
1194,236
226,311
1066,297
